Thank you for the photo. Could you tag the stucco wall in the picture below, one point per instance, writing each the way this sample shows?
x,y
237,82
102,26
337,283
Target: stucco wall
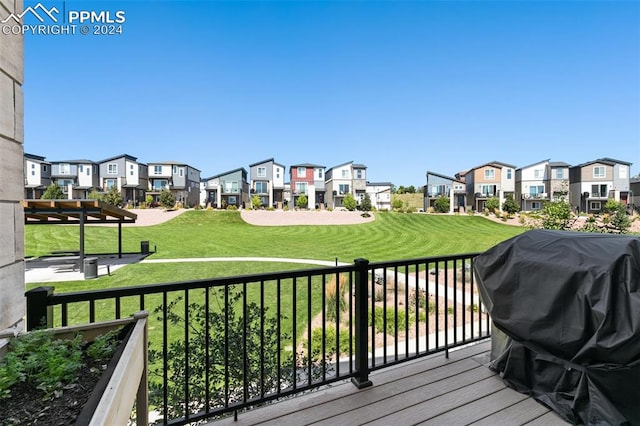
x,y
11,173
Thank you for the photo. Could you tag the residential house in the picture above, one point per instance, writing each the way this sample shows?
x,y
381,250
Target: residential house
x,y
181,179
634,189
444,186
540,182
308,179
380,194
489,180
76,178
128,175
347,178
37,176
227,189
267,182
592,183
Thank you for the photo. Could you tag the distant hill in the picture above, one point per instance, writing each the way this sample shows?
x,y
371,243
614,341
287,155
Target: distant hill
x,y
410,200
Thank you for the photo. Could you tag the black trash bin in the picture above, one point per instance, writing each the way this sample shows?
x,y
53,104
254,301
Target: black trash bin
x,y
566,309
90,267
144,247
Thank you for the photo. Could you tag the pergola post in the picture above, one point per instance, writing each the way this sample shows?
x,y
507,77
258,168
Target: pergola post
x,y
81,252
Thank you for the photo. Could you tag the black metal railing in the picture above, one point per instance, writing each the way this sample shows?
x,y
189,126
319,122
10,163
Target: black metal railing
x,y
223,345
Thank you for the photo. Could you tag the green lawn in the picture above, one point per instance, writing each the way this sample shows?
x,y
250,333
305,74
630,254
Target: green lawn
x,y
211,233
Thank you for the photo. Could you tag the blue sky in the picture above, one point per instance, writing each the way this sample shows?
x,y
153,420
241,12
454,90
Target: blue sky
x,y
402,87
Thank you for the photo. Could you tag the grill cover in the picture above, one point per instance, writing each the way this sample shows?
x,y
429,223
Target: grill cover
x,y
568,304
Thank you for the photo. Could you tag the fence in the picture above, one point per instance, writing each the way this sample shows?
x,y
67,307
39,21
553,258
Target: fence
x,y
223,345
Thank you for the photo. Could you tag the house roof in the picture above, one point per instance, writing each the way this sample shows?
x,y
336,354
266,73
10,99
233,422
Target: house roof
x,y
127,156
268,160
605,160
379,184
34,157
73,162
172,163
559,164
225,173
358,166
534,164
309,165
443,176
495,164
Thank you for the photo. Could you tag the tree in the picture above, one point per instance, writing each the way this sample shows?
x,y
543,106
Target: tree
x,y
365,205
302,201
397,204
167,199
53,192
349,202
400,190
492,204
95,195
113,197
256,202
411,189
441,205
618,219
510,205
556,215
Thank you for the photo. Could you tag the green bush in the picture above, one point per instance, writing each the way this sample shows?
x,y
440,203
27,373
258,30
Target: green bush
x,y
53,192
329,342
391,318
302,201
349,202
492,204
441,205
167,199
510,205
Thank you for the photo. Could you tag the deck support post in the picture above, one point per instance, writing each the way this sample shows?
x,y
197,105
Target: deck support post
x,y
39,312
361,379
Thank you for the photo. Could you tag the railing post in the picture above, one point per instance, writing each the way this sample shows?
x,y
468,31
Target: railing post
x,y
39,313
361,380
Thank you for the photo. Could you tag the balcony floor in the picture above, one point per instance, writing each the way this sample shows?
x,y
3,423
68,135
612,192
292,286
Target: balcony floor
x,y
460,390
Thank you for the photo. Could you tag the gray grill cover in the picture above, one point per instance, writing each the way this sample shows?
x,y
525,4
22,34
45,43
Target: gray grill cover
x,y
569,305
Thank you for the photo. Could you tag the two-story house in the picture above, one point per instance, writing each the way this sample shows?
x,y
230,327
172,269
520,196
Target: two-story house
x,y
445,186
489,180
181,179
540,182
76,178
380,194
226,189
37,176
308,179
592,183
128,175
267,182
347,178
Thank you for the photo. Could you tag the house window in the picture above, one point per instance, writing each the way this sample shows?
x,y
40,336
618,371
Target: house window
x,y
536,190
33,172
181,171
160,184
536,205
175,169
261,172
301,187
233,200
559,174
343,189
63,169
509,173
44,168
230,187
489,174
488,190
33,166
157,170
358,174
594,205
599,172
88,171
81,170
345,174
302,172
320,173
112,169
261,187
538,174
438,190
64,184
599,191
110,183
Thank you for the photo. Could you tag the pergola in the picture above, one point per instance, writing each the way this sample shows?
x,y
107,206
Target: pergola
x,y
81,212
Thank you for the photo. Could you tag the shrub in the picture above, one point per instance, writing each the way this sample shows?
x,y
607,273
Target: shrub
x,y
336,290
492,204
556,215
256,202
349,202
167,199
53,192
510,205
302,201
442,204
365,205
396,204
329,342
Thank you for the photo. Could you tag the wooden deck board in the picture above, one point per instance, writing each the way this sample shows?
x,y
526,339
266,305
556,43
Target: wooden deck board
x,y
433,390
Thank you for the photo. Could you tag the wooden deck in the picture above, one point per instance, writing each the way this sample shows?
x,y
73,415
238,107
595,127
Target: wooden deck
x,y
460,390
